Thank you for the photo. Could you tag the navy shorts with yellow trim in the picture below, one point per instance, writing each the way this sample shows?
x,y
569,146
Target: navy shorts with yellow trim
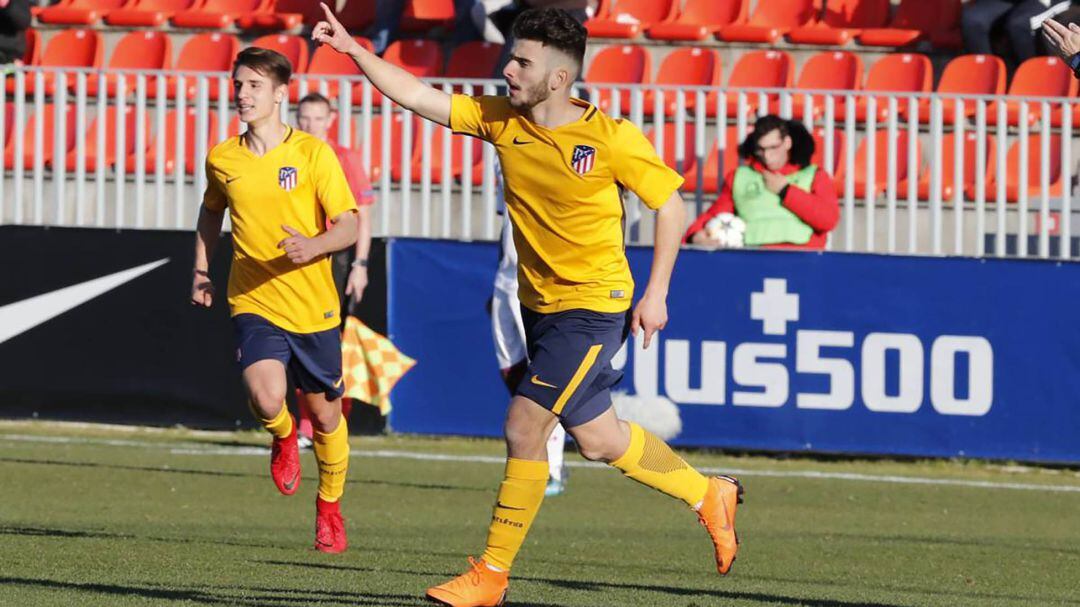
x,y
570,354
314,359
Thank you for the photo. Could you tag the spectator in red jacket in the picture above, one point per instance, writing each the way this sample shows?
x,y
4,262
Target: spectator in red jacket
x,y
784,200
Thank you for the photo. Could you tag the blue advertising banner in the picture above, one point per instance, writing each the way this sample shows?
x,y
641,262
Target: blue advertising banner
x,y
788,351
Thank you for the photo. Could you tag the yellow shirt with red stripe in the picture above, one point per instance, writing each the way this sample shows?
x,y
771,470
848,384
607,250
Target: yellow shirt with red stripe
x,y
562,192
300,184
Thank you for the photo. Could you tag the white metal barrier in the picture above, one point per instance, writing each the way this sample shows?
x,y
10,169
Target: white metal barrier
x,y
142,172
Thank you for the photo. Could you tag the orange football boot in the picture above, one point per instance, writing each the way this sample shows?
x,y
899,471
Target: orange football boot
x,y
717,515
477,587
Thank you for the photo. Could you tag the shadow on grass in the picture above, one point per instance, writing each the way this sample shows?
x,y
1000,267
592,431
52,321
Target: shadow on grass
x,y
227,474
247,597
932,540
78,533
584,586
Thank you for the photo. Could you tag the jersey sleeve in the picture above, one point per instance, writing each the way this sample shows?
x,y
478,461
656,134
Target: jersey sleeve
x,y
331,188
214,197
482,116
636,166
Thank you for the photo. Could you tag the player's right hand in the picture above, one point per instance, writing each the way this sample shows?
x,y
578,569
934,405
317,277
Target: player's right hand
x,y
332,33
202,290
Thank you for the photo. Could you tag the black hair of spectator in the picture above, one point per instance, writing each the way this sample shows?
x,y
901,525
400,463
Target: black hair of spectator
x,y
553,27
269,63
315,97
802,143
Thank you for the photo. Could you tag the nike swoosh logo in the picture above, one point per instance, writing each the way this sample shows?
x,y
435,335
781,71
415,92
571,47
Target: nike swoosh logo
x,y
516,142
505,507
536,380
21,316
291,484
338,383
231,179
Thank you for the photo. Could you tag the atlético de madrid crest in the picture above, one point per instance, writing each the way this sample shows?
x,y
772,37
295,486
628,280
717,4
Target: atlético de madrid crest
x,y
583,159
286,178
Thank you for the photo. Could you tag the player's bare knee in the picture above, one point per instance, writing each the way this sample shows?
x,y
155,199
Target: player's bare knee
x,y
597,452
326,420
267,402
522,437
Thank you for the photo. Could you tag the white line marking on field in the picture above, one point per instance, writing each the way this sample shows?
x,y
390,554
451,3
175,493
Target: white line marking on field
x,y
190,448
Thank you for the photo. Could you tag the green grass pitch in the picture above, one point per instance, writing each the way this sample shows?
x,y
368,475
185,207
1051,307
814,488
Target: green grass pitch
x,y
101,516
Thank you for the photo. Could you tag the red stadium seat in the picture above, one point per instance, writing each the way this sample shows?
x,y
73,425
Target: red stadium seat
x,y
421,58
758,69
424,15
92,135
1034,168
32,55
294,48
396,122
687,67
838,151
145,50
218,14
881,164
700,19
8,119
69,48
935,20
457,169
357,15
619,64
283,15
968,75
770,21
169,163
971,171
474,60
897,73
212,52
48,125
1037,77
329,63
671,150
831,70
841,21
629,18
713,175
79,12
149,13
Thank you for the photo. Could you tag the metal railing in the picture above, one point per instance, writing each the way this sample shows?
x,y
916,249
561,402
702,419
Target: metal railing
x,y
1015,200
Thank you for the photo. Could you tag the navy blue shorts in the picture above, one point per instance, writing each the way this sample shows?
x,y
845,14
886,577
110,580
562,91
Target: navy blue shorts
x,y
314,359
570,354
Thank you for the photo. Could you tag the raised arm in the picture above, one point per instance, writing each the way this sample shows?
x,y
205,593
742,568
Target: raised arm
x,y
397,84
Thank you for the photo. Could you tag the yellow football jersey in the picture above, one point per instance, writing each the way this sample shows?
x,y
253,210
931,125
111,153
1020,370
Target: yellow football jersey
x,y
300,184
562,192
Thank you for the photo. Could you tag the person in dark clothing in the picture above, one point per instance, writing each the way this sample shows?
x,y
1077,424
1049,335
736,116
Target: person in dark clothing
x,y
14,19
1062,36
979,18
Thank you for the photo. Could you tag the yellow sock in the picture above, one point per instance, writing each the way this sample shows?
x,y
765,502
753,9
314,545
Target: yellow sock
x,y
650,461
332,453
520,495
280,426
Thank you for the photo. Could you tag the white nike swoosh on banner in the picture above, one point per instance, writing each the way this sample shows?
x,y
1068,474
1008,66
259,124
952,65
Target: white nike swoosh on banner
x,y
21,316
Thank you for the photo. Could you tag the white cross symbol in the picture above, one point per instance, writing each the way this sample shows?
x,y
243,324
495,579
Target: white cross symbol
x,y
774,306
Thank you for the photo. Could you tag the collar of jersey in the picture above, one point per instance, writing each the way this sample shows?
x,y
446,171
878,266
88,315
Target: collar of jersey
x,y
280,145
581,119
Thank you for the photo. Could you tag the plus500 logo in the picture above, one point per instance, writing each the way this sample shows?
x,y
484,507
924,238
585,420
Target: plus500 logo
x,y
763,368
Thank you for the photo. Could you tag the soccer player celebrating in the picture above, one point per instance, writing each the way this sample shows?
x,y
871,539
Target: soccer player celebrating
x,y
563,162
280,186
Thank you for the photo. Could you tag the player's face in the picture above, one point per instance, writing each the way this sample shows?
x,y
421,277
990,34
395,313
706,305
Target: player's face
x,y
315,118
527,74
774,150
257,96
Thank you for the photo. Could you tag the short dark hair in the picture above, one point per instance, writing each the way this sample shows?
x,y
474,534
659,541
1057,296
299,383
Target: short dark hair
x,y
266,62
802,143
553,27
315,97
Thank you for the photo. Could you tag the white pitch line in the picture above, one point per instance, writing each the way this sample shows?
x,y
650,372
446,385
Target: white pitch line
x,y
189,448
